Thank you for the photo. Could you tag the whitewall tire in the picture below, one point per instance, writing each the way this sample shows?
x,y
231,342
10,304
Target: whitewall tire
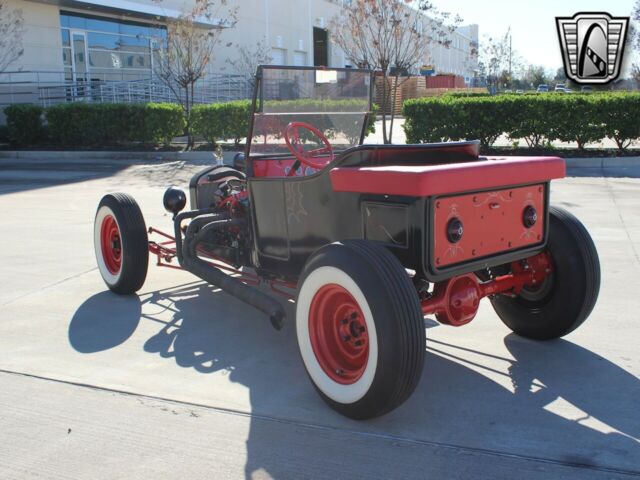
x,y
121,243
360,328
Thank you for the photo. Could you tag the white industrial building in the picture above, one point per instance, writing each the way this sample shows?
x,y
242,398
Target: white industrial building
x,y
112,41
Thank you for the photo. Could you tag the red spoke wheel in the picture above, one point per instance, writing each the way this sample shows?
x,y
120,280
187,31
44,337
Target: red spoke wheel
x,y
360,328
121,243
566,297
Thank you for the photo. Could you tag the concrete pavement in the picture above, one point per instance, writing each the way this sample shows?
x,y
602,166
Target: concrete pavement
x,y
185,380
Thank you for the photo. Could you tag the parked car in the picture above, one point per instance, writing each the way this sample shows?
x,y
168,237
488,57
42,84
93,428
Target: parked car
x,y
560,87
542,88
363,240
586,89
519,91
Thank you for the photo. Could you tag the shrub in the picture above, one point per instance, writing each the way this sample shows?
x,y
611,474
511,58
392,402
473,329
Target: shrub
x,y
221,121
89,124
575,118
24,124
430,120
162,122
536,118
454,118
371,119
224,121
528,119
4,134
103,124
622,113
484,118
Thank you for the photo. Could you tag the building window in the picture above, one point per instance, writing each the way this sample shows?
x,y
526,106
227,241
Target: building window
x,y
300,59
100,48
278,56
320,47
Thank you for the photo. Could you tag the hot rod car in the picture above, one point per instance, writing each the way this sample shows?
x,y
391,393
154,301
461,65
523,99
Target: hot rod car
x,y
367,239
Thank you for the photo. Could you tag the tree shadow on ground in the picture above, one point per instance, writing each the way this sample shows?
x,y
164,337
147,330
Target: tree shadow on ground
x,y
454,404
24,175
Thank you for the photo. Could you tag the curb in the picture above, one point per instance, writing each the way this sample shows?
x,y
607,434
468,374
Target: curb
x,y
43,156
602,163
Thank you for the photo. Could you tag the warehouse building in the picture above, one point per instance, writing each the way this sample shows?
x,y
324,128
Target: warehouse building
x,y
99,41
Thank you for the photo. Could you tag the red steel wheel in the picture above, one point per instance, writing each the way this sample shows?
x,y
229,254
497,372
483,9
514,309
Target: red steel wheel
x,y
111,244
360,328
338,334
121,243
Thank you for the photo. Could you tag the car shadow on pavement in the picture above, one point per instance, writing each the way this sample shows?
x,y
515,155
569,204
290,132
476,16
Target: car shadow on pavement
x,y
104,321
455,404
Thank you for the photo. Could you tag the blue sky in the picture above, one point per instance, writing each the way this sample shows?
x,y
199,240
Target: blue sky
x,y
532,23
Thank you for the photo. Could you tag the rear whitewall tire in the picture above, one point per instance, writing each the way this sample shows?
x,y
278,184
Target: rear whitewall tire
x,y
335,391
360,328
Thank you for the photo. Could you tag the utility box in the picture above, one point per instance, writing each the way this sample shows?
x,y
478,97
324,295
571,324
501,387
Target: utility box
x,y
445,81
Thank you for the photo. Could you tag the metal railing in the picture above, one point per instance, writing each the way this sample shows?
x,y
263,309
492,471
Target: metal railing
x,y
50,88
22,86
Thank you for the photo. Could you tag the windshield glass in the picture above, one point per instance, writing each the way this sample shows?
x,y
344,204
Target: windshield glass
x,y
335,102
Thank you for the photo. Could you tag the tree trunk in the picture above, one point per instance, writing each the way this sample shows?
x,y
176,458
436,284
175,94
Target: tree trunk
x,y
384,107
193,97
393,107
187,113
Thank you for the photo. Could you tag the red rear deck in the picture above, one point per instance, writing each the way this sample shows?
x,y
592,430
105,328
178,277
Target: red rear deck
x,y
493,223
430,180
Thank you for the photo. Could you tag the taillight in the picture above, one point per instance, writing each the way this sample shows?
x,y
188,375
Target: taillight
x,y
455,230
529,216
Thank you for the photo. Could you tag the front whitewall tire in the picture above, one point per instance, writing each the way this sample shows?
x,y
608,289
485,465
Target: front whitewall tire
x,y
109,278
132,259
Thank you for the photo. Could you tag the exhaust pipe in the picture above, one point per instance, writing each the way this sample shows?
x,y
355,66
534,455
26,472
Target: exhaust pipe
x,y
187,256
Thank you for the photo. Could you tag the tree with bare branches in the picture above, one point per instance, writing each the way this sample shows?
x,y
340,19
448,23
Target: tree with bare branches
x,y
392,37
501,61
11,32
184,56
249,58
635,42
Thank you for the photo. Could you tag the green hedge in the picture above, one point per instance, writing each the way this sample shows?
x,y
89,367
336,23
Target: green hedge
x,y
4,134
221,121
104,124
538,119
162,122
24,124
224,121
100,124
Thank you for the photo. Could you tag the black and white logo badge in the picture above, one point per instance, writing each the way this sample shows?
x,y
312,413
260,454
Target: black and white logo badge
x,y
592,46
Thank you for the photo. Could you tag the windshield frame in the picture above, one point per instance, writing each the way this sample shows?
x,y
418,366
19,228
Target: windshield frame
x,y
258,102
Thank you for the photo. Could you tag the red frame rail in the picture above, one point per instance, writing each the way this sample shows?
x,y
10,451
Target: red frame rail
x,y
453,302
165,252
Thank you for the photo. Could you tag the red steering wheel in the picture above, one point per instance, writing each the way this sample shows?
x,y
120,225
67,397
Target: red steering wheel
x,y
312,158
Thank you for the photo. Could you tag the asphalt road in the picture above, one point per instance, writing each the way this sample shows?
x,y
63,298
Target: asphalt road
x,y
185,381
